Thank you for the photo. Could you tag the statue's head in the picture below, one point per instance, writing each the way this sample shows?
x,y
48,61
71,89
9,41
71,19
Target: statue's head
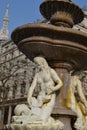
x,y
41,62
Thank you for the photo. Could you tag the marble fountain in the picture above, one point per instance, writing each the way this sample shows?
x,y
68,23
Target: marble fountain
x,y
59,51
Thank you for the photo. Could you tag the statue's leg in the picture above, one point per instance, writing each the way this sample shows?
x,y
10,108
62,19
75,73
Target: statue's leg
x,y
74,106
47,108
72,103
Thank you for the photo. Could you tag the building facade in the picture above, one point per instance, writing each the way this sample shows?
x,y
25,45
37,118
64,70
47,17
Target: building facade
x,y
16,72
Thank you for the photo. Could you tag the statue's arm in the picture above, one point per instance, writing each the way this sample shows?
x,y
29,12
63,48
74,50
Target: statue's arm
x,y
56,79
31,89
80,92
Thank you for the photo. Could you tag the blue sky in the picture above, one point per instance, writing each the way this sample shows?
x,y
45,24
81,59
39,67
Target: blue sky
x,y
25,11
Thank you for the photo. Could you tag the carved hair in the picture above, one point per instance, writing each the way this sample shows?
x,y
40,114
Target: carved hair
x,y
41,62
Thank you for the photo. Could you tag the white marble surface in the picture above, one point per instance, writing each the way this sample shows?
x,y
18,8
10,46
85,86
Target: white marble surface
x,y
39,108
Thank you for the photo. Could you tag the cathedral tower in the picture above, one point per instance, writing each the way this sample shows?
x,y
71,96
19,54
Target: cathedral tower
x,y
4,30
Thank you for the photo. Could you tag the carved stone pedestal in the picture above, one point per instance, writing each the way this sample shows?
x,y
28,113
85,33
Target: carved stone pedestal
x,y
54,126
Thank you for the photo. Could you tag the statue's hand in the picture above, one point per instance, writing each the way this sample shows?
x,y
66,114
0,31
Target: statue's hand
x,y
86,108
86,111
83,108
50,90
29,102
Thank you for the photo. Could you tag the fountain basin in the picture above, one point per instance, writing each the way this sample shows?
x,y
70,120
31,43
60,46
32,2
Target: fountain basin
x,y
57,44
61,12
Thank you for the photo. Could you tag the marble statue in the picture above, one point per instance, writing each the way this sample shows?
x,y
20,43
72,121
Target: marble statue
x,y
79,107
39,108
46,79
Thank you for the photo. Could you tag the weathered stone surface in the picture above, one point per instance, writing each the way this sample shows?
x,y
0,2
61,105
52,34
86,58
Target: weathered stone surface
x,y
35,127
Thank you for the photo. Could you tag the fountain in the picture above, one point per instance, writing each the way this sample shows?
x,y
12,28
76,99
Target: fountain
x,y
64,48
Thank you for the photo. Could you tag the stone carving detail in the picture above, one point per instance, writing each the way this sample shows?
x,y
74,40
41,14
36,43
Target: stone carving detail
x,y
79,106
83,78
39,108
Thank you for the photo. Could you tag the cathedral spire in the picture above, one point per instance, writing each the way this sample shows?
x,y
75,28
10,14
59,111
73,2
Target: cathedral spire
x,y
4,30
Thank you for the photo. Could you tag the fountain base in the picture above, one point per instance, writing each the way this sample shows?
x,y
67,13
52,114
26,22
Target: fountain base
x,y
32,126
